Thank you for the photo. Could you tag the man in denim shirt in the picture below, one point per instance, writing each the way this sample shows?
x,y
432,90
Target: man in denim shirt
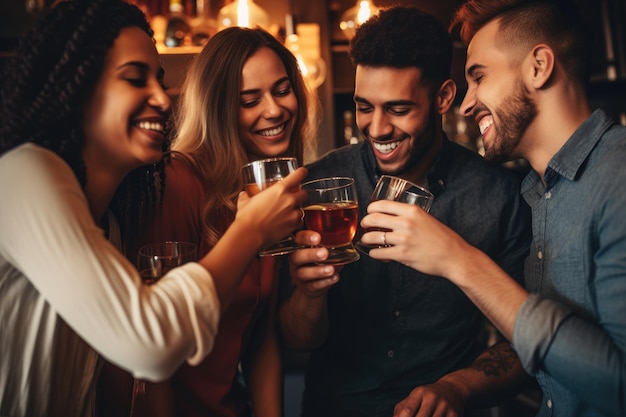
x,y
526,73
384,335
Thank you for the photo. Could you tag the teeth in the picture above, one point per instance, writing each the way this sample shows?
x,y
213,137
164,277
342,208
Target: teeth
x,y
386,147
484,123
156,126
272,132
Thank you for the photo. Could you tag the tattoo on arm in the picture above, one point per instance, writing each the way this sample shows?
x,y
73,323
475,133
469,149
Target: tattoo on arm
x,y
499,359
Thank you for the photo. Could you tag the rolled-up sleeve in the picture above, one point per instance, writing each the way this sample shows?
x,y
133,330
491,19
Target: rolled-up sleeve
x,y
535,326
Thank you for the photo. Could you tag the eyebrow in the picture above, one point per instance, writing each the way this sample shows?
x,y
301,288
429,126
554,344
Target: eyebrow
x,y
139,64
471,70
256,90
393,103
143,66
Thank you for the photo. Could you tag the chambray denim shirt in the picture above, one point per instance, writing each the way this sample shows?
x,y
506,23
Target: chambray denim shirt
x,y
393,328
571,331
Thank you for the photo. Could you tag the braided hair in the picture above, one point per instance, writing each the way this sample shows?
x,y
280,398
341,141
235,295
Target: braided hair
x,y
53,73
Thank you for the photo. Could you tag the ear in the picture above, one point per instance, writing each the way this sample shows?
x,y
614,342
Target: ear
x,y
445,96
542,61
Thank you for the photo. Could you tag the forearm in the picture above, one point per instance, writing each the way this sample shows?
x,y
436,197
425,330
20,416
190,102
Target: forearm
x,y
490,288
229,259
265,380
304,321
487,285
264,218
130,324
266,371
497,374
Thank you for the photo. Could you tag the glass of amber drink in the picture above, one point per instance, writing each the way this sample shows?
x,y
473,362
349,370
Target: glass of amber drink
x,y
155,259
331,210
258,176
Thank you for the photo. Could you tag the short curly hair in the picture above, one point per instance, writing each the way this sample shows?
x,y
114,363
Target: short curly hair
x,y
54,72
403,36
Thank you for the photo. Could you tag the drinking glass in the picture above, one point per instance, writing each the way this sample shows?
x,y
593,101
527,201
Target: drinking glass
x,y
397,189
259,175
332,211
155,259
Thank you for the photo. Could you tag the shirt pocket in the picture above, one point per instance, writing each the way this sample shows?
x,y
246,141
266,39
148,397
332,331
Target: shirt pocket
x,y
568,280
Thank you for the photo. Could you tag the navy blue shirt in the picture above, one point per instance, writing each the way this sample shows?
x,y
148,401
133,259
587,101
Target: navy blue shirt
x,y
393,328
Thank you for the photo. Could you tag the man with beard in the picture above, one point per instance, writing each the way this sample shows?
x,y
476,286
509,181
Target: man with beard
x,y
527,72
382,335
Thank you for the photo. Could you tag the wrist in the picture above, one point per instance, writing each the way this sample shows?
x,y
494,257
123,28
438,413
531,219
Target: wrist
x,y
468,262
311,298
456,384
247,231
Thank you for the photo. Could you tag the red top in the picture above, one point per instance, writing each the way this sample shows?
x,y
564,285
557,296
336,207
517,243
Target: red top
x,y
211,388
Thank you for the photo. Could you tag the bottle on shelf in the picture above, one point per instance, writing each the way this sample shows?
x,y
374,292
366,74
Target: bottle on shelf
x,y
178,31
350,135
202,26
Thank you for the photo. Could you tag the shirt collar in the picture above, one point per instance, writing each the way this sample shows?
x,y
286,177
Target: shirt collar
x,y
570,158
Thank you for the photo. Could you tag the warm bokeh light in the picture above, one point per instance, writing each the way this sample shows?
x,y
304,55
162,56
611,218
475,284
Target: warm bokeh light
x,y
243,13
356,16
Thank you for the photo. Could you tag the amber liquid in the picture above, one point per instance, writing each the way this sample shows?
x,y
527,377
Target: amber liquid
x,y
253,188
335,222
147,277
151,275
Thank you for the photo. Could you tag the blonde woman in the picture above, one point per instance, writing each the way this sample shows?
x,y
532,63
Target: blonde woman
x,y
243,99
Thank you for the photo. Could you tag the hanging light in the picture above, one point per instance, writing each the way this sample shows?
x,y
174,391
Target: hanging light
x,y
312,68
355,16
305,46
244,13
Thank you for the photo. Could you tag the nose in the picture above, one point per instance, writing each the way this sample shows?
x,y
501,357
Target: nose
x,y
469,101
159,99
271,109
379,127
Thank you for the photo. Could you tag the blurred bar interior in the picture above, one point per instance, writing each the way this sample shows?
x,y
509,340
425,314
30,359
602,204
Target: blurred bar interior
x,y
318,33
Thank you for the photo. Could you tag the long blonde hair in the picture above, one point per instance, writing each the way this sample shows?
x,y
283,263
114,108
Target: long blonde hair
x,y
208,119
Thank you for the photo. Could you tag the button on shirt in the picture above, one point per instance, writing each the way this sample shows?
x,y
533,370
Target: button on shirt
x,y
571,332
391,327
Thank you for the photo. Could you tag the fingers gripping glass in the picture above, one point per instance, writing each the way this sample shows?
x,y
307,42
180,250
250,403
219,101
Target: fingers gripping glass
x,y
332,211
258,176
396,189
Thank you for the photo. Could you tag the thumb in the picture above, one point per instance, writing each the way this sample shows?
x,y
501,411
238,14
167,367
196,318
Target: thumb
x,y
295,178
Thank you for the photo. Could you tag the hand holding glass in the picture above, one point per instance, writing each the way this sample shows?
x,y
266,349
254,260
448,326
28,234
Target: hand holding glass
x,y
396,189
331,210
156,259
258,176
